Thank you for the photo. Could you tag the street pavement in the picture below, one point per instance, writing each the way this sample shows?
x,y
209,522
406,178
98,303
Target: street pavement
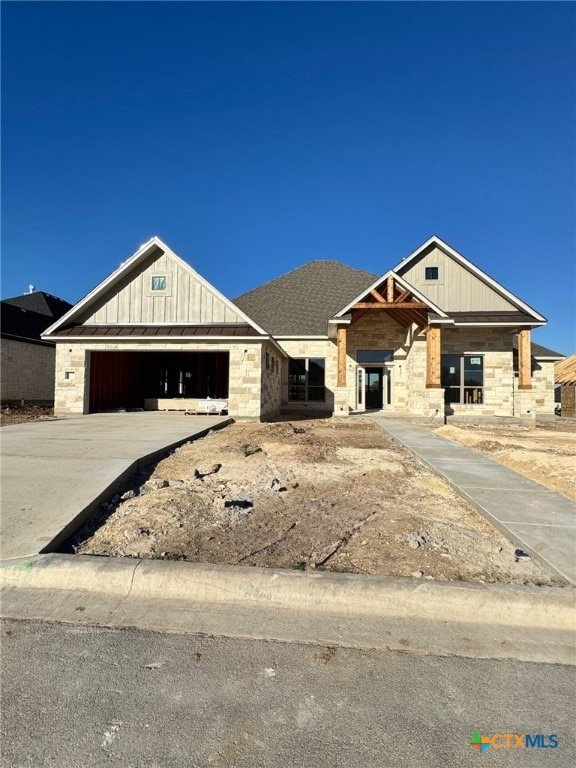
x,y
55,472
85,697
541,521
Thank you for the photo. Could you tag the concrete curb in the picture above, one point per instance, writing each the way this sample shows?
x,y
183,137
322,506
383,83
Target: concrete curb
x,y
329,609
320,593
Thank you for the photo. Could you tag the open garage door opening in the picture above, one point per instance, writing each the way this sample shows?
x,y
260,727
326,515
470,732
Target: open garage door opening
x,y
130,380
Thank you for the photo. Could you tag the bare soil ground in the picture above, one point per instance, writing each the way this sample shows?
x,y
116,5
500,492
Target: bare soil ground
x,y
315,494
545,454
19,414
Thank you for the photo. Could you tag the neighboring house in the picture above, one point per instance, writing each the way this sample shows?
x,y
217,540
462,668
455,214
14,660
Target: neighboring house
x,y
435,332
27,367
565,374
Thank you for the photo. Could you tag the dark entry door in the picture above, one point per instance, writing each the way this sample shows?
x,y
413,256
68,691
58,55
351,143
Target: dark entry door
x,y
374,381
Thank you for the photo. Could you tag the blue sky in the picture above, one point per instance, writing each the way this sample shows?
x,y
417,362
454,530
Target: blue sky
x,y
254,137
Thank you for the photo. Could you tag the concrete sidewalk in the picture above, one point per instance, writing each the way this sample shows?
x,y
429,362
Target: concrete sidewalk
x,y
55,473
541,521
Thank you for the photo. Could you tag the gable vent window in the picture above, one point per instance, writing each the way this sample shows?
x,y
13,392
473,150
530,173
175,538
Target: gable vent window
x,y
158,282
431,273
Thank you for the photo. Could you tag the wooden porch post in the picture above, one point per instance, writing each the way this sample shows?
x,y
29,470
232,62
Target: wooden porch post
x,y
390,289
341,345
524,360
433,347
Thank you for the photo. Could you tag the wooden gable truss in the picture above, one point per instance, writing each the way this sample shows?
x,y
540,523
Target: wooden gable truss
x,y
399,302
407,307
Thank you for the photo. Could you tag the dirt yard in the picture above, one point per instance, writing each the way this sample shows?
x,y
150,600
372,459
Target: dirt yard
x,y
546,454
18,414
316,494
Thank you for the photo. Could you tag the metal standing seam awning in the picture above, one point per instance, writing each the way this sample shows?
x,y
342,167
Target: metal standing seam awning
x,y
151,331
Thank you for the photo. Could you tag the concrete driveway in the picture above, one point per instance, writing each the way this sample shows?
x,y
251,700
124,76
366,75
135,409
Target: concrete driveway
x,y
55,473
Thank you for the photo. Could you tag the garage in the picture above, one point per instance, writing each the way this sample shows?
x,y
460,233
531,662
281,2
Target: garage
x,y
127,379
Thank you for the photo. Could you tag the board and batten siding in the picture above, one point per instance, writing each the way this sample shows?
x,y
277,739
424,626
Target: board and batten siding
x,y
186,299
457,289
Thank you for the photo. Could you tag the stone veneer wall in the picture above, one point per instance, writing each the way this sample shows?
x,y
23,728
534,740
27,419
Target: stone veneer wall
x,y
543,387
377,330
73,374
27,371
323,348
501,394
500,386
421,401
271,378
409,392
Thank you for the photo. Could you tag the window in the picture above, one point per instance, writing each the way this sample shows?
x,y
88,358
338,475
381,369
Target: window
x,y
158,282
306,379
267,361
463,379
431,273
374,355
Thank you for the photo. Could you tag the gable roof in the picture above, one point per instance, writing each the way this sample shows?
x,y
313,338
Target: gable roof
x,y
300,302
25,318
41,302
404,283
485,278
149,248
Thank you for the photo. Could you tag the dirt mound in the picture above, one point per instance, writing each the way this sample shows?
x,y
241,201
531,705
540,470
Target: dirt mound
x,y
336,495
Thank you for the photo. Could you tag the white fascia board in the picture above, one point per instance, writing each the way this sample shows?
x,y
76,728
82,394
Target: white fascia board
x,y
471,268
404,283
555,358
340,321
101,287
499,325
126,266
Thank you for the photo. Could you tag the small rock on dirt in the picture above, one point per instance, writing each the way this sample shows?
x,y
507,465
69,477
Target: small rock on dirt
x,y
157,484
127,495
208,469
250,450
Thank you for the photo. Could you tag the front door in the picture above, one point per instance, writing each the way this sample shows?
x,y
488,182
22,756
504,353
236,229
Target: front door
x,y
374,388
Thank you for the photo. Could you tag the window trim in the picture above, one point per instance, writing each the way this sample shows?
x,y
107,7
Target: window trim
x,y
307,384
462,386
150,292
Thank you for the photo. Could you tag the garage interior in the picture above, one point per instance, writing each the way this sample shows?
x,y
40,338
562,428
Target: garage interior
x,y
127,379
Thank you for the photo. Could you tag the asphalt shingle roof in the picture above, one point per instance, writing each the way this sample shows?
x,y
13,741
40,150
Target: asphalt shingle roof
x,y
537,350
43,303
301,302
27,317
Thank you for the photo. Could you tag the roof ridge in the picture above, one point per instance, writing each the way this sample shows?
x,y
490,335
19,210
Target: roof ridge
x,y
296,269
